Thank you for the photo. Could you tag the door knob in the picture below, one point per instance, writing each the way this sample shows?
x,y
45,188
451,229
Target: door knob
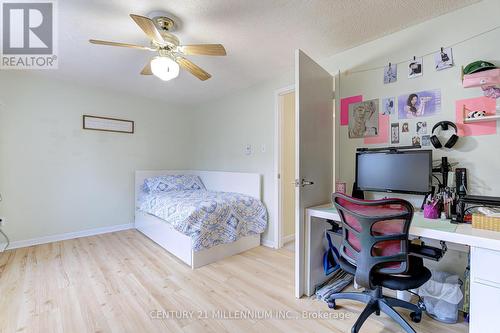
x,y
303,183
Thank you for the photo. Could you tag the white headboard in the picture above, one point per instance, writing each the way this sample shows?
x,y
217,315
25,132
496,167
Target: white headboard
x,y
246,183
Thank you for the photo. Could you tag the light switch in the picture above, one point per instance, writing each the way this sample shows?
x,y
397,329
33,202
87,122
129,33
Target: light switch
x,y
248,149
263,148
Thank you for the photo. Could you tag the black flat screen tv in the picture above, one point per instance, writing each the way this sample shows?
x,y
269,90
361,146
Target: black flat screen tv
x,y
394,171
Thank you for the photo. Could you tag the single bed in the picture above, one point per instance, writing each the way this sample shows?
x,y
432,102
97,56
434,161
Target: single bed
x,y
200,222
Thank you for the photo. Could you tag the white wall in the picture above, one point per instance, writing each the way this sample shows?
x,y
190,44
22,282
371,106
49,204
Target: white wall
x,y
225,125
57,178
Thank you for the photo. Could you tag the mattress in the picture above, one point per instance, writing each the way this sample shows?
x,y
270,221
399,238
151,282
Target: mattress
x,y
210,218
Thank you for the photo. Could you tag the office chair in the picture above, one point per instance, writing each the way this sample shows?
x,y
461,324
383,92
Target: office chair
x,y
375,250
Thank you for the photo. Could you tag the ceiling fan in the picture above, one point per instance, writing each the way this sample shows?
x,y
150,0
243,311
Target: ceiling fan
x,y
170,54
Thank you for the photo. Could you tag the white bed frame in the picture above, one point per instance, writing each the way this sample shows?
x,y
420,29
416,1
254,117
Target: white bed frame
x,y
181,245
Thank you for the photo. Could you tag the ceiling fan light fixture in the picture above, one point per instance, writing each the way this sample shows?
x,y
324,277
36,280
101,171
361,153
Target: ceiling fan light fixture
x,y
164,68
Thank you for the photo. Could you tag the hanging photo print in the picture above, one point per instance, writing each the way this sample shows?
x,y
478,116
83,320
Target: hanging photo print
x,y
420,104
394,133
415,68
363,119
388,106
421,127
443,59
390,73
405,128
415,141
426,140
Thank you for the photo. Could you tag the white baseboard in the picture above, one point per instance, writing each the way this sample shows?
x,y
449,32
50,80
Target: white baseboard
x,y
66,236
287,239
268,243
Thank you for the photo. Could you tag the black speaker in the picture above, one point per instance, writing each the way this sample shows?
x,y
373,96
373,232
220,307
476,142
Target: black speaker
x,y
461,181
444,170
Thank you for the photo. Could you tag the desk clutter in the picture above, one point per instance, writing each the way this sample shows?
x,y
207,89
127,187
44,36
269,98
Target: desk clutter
x,y
486,222
477,264
338,282
482,211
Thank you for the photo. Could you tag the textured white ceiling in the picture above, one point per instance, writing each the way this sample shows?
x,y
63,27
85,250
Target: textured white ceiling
x,y
259,35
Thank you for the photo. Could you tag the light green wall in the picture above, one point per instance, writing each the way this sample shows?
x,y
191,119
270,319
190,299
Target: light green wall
x,y
474,153
57,178
224,126
46,158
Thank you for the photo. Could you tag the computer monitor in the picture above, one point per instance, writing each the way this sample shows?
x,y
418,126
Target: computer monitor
x,y
394,171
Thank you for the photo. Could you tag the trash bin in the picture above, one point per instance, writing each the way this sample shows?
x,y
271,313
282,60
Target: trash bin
x,y
442,295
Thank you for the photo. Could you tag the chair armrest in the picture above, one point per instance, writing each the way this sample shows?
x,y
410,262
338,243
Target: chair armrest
x,y
426,252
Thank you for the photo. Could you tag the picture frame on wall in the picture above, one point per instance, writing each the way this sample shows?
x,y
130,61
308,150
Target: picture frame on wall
x,y
106,124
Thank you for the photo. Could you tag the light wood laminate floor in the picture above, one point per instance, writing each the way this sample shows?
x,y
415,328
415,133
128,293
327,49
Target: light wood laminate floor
x,y
123,282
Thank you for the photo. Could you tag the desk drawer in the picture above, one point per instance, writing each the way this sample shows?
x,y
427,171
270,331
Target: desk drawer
x,y
484,305
485,266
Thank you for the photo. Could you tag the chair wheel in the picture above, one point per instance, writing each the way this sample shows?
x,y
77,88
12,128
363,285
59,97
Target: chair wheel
x,y
416,317
331,304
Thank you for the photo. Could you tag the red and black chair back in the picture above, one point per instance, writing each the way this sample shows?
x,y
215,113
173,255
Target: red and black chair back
x,y
374,236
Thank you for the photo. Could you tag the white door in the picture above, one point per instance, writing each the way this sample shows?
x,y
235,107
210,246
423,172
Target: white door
x,y
313,149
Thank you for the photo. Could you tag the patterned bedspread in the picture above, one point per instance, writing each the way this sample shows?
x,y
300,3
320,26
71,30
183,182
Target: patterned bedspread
x,y
209,218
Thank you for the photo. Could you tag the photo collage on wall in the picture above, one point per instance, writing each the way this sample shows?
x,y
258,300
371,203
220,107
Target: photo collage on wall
x,y
399,119
406,117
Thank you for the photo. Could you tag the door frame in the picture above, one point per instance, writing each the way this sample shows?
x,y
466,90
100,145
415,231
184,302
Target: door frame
x,y
278,228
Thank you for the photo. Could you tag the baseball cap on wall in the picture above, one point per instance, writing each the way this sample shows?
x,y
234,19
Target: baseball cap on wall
x,y
478,66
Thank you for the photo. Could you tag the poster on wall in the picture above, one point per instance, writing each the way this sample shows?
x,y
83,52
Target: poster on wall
x,y
420,104
388,106
443,59
426,140
416,67
344,108
395,133
363,119
421,128
390,73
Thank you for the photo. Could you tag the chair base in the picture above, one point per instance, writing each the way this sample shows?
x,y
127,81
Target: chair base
x,y
376,302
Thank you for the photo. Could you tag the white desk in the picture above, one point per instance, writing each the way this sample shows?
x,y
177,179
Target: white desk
x,y
484,262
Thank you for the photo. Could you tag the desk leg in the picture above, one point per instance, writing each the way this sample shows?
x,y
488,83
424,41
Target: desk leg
x,y
300,255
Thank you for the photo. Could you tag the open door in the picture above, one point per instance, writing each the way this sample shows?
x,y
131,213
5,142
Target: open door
x,y
313,149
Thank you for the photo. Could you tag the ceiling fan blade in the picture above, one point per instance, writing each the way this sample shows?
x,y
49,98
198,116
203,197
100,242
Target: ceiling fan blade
x,y
148,26
132,46
193,69
204,49
147,69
